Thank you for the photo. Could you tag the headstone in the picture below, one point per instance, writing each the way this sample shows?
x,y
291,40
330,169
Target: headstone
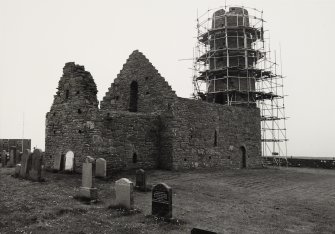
x,y
201,231
18,156
89,159
101,168
124,190
35,172
26,163
69,161
17,170
4,158
141,178
12,153
87,189
162,201
57,166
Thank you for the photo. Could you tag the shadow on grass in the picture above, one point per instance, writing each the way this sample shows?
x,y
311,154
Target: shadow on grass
x,y
124,211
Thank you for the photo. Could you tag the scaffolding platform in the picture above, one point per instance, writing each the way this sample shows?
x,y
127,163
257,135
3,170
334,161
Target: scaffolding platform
x,y
233,65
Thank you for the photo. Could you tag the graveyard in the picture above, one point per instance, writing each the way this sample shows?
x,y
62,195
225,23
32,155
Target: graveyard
x,y
272,200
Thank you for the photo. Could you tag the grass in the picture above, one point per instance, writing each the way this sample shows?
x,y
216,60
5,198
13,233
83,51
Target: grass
x,y
241,201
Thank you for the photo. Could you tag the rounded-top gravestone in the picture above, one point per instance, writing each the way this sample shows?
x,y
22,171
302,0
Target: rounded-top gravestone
x,y
35,172
124,193
162,201
69,161
101,168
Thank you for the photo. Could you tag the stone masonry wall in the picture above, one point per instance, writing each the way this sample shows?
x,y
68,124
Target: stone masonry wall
x,y
129,140
195,125
154,93
71,121
5,144
141,123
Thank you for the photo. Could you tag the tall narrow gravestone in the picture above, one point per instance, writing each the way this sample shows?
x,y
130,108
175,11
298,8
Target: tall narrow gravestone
x,y
124,190
69,161
87,189
141,179
25,163
162,201
4,158
12,153
35,172
101,168
57,166
18,156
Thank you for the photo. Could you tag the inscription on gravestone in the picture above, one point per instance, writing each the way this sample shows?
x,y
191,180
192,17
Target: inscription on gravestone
x,y
162,201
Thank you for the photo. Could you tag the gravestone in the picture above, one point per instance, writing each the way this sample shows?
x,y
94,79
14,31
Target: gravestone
x,y
162,201
35,172
17,170
87,189
25,163
12,153
69,161
4,158
201,231
18,156
124,190
101,168
141,179
57,166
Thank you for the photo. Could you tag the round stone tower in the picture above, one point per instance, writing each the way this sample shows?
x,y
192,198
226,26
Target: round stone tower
x,y
230,57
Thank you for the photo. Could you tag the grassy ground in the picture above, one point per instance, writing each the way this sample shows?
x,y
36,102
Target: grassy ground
x,y
241,201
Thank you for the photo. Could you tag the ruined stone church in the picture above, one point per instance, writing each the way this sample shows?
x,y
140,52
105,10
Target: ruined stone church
x,y
142,123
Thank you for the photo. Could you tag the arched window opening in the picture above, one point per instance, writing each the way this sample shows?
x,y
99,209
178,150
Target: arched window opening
x,y
133,96
134,158
67,94
215,138
79,111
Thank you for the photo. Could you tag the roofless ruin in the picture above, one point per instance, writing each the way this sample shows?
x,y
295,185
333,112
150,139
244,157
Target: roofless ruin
x,y
142,123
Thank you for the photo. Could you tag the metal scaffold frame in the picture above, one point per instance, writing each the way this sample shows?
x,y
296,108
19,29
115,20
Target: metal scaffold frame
x,y
232,65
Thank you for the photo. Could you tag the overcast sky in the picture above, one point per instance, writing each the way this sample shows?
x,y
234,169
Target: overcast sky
x,y
37,37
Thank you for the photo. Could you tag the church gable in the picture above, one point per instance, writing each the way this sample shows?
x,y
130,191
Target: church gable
x,y
138,88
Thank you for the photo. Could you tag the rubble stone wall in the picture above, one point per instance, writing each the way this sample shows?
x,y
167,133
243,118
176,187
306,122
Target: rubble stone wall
x,y
71,121
141,123
129,140
198,123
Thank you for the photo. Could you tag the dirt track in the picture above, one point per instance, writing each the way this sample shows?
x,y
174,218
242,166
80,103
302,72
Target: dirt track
x,y
242,201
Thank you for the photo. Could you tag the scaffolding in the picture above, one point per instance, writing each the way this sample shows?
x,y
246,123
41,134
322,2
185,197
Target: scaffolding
x,y
233,66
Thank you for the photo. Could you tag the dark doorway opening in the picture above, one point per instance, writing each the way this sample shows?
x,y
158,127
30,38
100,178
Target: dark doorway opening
x,y
62,162
133,96
244,157
134,158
